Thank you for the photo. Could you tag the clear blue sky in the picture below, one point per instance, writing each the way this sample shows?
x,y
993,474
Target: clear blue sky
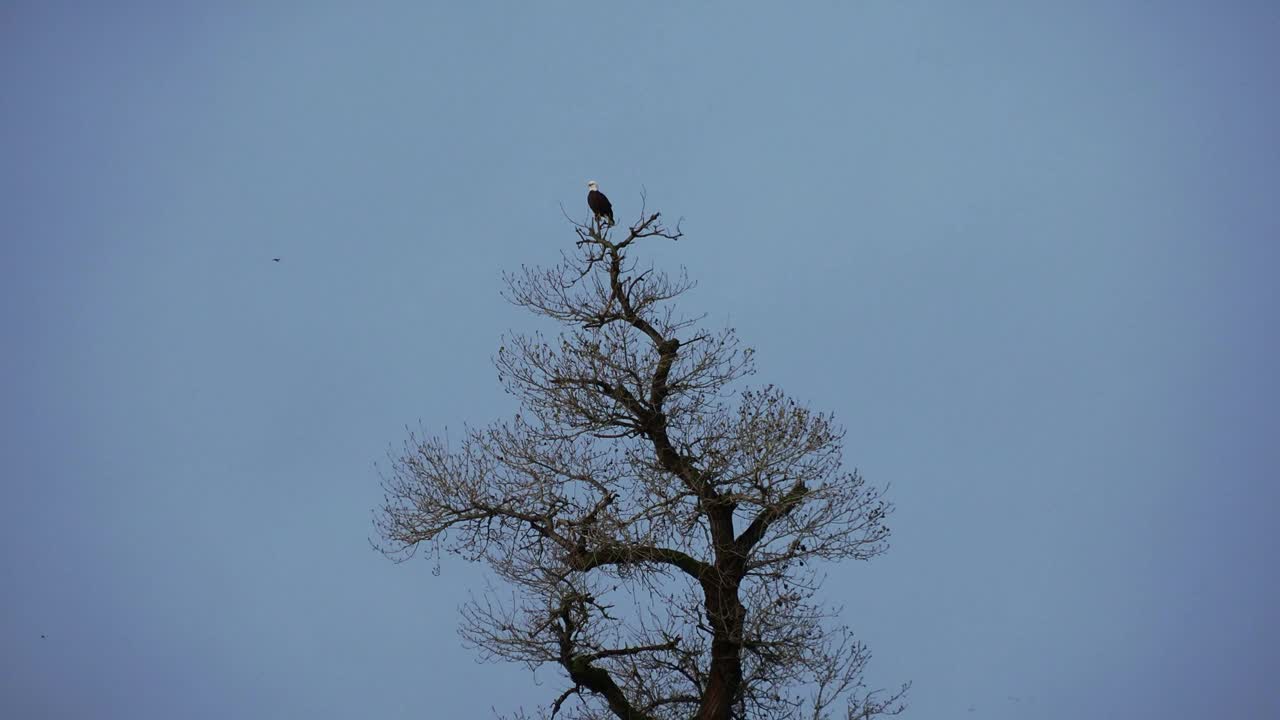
x,y
1025,251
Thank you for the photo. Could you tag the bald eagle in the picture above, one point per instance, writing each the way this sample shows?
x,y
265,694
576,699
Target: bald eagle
x,y
598,203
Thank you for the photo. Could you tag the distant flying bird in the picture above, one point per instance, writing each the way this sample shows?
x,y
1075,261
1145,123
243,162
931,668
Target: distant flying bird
x,y
42,637
275,259
598,203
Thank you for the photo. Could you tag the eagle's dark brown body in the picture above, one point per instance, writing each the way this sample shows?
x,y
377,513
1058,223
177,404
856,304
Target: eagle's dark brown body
x,y
599,204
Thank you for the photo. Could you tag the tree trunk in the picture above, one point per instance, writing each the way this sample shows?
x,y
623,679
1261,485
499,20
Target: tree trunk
x,y
726,615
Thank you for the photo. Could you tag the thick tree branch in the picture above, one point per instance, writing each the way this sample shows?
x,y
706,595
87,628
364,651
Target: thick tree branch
x,y
768,516
585,560
583,672
634,650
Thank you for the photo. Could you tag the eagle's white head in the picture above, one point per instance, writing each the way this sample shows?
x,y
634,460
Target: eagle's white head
x,y
591,185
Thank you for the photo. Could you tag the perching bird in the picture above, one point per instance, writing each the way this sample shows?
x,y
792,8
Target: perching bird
x,y
598,203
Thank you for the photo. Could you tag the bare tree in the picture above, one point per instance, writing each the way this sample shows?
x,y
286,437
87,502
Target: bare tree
x,y
659,531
